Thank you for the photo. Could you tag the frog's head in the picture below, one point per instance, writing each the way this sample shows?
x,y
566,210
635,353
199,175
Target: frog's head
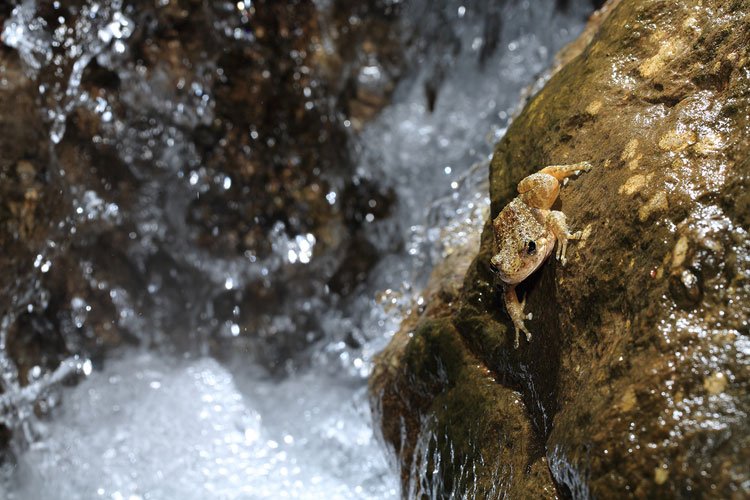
x,y
514,263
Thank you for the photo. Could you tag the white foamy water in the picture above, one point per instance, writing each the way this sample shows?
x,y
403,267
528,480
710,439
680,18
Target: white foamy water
x,y
150,428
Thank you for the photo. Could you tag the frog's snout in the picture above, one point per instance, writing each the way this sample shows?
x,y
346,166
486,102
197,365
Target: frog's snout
x,y
494,267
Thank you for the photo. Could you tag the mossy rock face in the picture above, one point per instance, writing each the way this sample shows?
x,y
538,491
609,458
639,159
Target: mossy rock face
x,y
636,381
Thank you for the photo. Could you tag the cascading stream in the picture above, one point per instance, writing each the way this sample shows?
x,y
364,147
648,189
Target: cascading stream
x,y
238,416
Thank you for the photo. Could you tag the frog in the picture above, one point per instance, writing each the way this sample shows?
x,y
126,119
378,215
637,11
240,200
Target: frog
x,y
526,232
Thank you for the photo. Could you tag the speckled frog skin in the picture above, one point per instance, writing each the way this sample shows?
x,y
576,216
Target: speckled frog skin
x,y
526,231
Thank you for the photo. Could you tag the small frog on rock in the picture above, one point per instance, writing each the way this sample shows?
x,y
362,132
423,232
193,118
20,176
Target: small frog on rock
x,y
526,231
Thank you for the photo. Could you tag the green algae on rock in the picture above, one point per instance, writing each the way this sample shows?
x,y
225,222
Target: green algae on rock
x,y
637,382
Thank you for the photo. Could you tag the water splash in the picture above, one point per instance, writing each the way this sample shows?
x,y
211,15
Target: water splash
x,y
229,443
60,54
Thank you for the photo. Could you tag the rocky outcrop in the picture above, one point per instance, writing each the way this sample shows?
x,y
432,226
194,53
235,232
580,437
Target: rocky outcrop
x,y
636,382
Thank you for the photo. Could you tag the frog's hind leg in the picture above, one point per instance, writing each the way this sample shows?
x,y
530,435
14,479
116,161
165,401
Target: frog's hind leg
x,y
539,190
560,172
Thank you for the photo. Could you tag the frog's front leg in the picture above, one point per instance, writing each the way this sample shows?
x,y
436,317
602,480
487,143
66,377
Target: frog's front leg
x,y
558,224
515,309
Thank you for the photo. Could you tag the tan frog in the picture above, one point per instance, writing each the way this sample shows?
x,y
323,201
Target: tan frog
x,y
526,231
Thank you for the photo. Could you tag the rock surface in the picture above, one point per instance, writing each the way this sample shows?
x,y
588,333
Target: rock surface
x,y
636,383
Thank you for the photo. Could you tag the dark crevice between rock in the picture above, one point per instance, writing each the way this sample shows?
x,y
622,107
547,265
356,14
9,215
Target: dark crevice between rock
x,y
504,378
532,369
507,377
669,101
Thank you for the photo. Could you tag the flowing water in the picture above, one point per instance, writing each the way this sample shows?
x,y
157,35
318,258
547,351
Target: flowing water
x,y
179,424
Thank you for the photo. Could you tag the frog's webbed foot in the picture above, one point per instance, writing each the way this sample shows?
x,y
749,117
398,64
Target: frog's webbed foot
x,y
521,326
515,309
557,221
562,172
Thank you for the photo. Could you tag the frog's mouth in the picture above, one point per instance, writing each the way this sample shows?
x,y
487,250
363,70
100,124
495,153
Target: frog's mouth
x,y
528,260
506,277
529,265
495,270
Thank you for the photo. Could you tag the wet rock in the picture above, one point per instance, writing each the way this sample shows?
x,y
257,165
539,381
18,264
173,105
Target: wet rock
x,y
635,384
32,202
440,408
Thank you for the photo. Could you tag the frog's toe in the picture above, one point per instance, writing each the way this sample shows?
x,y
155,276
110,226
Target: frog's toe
x,y
562,248
525,330
520,327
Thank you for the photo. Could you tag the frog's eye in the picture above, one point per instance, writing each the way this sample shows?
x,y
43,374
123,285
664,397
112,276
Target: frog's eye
x,y
531,248
494,268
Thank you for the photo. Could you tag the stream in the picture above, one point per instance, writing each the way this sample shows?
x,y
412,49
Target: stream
x,y
284,413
